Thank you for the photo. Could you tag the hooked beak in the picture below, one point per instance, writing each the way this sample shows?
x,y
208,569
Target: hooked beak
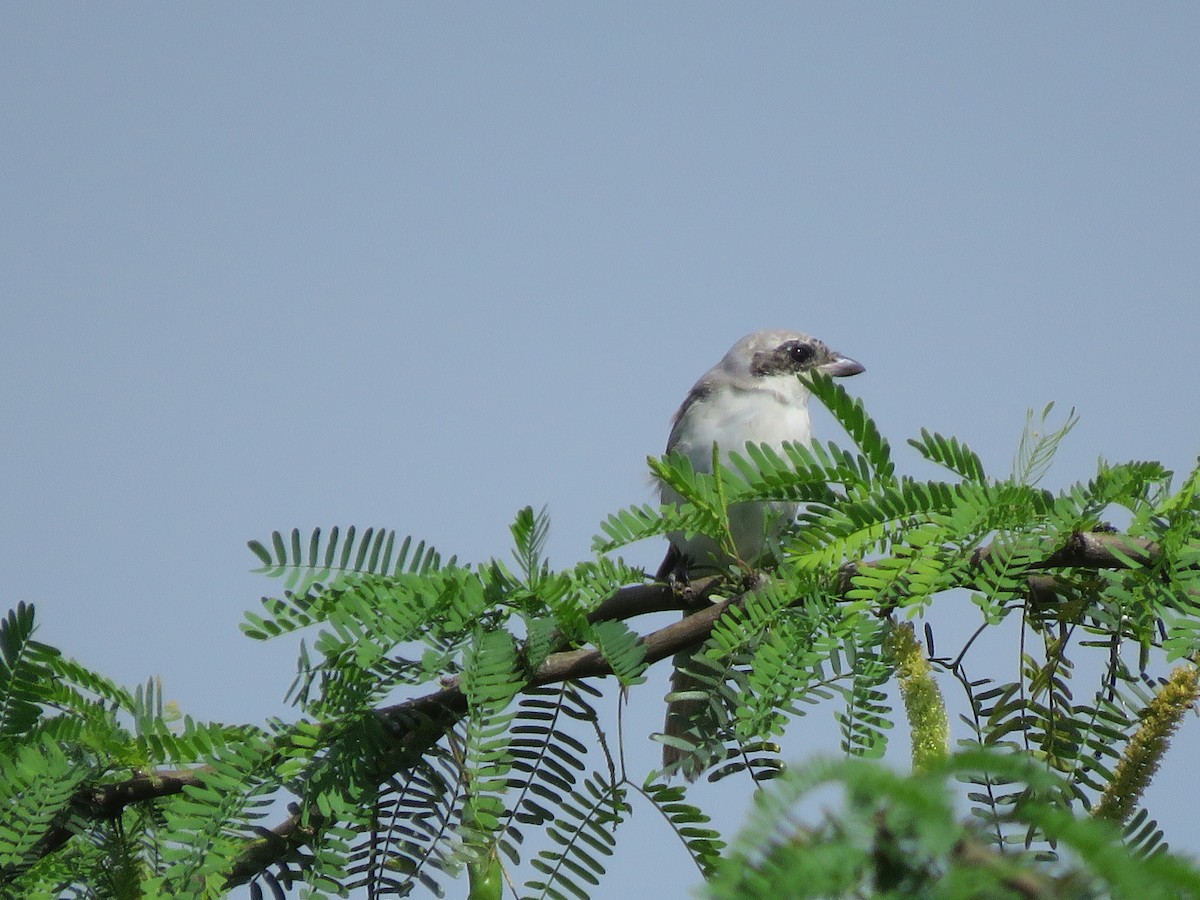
x,y
842,367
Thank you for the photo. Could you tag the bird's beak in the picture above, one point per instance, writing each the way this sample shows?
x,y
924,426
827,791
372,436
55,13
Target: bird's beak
x,y
842,367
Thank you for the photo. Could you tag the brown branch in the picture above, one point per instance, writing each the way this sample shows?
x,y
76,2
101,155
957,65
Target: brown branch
x,y
109,801
1083,550
1096,550
658,596
418,724
436,713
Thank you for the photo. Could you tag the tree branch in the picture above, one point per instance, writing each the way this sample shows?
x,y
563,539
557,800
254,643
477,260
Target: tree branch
x,y
109,801
418,724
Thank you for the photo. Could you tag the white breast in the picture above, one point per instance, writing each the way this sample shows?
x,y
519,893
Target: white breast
x,y
732,418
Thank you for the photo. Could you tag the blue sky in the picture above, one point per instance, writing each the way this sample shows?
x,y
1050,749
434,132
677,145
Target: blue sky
x,y
420,265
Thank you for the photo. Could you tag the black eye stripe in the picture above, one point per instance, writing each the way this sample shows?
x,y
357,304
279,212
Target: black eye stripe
x,y
801,353
787,358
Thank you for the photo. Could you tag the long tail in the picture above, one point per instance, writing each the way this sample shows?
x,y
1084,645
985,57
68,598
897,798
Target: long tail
x,y
684,717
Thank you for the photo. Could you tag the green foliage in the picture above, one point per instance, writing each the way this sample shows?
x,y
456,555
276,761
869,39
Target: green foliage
x,y
204,828
67,733
1037,447
36,784
898,836
23,664
583,833
690,824
445,721
370,552
949,452
623,650
706,511
852,416
490,681
867,716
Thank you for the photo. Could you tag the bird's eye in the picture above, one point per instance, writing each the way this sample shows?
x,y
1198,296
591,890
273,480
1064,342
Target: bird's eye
x,y
801,353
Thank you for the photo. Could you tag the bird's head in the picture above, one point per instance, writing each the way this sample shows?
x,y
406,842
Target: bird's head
x,y
773,353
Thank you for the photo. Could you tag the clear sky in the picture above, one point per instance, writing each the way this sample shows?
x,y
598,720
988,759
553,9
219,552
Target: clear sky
x,y
418,265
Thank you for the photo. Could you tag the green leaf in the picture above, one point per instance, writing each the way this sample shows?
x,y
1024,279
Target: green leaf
x,y
852,416
949,452
622,649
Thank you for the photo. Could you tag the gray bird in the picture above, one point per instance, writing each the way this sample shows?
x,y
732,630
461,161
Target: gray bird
x,y
751,396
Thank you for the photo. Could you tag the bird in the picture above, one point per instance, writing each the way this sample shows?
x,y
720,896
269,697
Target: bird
x,y
753,395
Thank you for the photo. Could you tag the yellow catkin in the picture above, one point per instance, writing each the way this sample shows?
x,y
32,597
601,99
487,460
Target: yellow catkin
x,y
923,702
1145,750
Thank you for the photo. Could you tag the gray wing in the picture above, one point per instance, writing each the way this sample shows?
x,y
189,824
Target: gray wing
x,y
698,392
674,563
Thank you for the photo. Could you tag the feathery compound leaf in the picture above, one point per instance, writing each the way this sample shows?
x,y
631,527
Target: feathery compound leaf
x,y
852,416
1142,836
24,672
1038,446
490,680
413,830
36,785
583,833
867,716
371,570
529,533
827,536
547,758
204,827
768,475
639,522
490,676
622,649
369,553
950,453
690,823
